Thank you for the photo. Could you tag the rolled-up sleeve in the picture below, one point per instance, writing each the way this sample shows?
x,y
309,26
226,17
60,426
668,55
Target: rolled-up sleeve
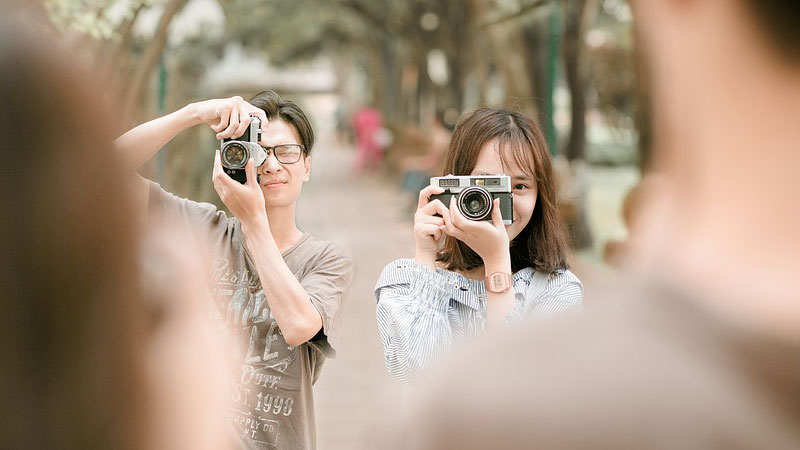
x,y
165,207
412,315
328,285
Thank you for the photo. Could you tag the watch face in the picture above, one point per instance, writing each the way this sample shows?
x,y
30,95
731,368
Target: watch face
x,y
498,282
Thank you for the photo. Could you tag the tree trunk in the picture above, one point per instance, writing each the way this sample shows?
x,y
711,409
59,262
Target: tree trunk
x,y
423,85
116,60
535,35
482,64
507,61
116,53
575,13
391,83
573,50
149,58
520,93
457,37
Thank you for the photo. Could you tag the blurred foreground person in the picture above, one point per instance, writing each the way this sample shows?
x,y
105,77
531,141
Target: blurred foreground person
x,y
278,291
72,371
189,383
90,360
699,348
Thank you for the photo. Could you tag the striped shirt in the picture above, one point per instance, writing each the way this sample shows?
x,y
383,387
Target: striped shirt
x,y
423,313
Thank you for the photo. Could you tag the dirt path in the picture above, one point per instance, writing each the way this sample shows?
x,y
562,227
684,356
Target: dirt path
x,y
355,397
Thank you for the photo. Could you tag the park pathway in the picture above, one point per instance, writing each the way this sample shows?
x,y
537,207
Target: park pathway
x,y
355,397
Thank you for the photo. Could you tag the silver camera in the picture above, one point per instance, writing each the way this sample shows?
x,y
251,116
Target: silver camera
x,y
235,152
474,195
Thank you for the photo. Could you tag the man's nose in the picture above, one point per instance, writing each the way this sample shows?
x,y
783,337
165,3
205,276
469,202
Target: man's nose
x,y
271,164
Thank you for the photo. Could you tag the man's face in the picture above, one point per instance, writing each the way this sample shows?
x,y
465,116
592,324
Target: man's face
x,y
281,183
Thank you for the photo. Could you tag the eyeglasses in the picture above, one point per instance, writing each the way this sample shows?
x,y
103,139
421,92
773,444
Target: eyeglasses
x,y
285,153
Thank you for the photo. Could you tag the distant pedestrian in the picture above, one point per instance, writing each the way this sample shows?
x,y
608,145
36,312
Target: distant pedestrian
x,y
367,123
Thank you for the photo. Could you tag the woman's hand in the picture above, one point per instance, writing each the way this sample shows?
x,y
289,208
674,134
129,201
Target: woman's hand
x,y
228,117
488,239
245,201
427,226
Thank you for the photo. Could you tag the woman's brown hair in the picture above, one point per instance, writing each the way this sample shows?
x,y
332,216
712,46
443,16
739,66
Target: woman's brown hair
x,y
542,244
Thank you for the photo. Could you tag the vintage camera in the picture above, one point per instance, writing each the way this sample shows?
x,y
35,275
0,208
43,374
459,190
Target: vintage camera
x,y
475,193
235,152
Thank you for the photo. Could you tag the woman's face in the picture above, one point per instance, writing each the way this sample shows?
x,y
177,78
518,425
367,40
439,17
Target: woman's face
x,y
523,184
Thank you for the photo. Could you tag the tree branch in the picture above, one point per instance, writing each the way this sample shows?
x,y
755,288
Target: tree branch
x,y
524,10
150,56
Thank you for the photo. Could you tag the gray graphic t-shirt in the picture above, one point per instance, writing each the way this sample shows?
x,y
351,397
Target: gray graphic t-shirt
x,y
272,396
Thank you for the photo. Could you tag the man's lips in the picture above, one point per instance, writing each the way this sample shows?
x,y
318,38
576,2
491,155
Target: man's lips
x,y
272,184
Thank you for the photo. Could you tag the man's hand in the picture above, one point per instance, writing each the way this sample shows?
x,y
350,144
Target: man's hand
x,y
229,117
245,201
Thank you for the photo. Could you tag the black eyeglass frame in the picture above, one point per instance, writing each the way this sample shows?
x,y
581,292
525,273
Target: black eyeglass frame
x,y
275,153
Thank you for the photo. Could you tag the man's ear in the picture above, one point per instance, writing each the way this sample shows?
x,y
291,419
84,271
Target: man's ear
x,y
307,163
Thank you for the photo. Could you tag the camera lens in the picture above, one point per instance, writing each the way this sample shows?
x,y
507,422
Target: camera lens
x,y
475,203
234,156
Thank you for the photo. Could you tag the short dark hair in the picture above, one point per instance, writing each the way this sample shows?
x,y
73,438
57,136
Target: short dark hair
x,y
778,22
542,244
288,111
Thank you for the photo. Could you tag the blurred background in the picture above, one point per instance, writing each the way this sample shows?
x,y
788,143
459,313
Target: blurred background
x,y
383,82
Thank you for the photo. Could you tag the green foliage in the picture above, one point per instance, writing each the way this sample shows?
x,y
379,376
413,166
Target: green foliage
x,y
89,17
300,30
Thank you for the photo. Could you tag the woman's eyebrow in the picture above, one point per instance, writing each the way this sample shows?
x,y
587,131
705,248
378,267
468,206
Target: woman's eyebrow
x,y
525,177
520,177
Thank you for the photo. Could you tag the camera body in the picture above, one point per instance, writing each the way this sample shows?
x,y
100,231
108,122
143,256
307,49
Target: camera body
x,y
234,152
474,195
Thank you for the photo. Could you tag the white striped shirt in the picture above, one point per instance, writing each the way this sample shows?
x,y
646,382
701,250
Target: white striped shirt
x,y
422,313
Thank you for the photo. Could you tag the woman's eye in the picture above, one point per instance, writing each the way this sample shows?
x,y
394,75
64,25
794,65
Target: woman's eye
x,y
520,186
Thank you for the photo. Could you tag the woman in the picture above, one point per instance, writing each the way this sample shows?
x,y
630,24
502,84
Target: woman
x,y
437,299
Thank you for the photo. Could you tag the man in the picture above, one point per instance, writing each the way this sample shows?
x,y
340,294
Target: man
x,y
700,347
279,291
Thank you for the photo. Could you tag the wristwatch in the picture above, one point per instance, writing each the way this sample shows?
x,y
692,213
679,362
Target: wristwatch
x,y
498,282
